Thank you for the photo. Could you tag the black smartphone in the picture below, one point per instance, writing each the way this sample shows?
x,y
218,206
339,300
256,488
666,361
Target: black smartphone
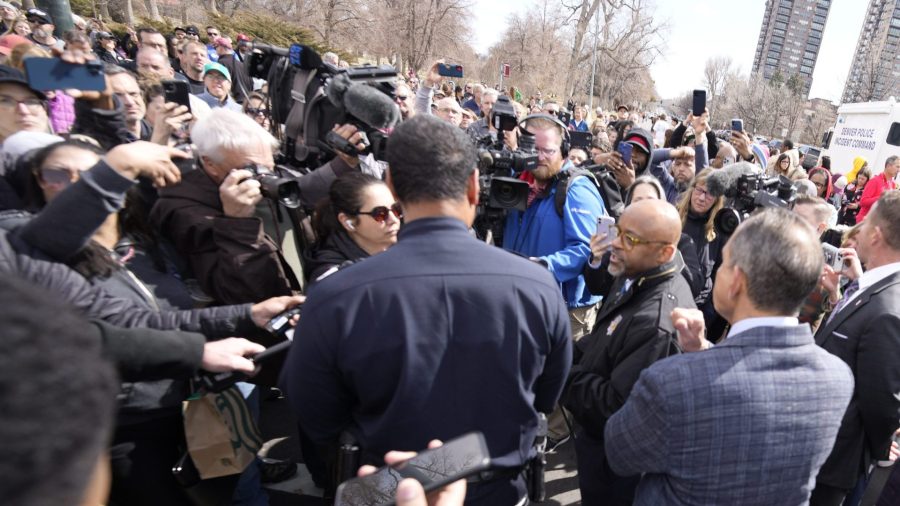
x,y
54,74
581,139
450,70
455,460
219,381
178,92
699,103
737,125
625,150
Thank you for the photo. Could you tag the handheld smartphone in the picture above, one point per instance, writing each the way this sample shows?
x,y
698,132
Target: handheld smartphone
x,y
699,106
604,227
218,381
54,74
833,257
581,140
737,125
457,459
625,150
178,92
450,70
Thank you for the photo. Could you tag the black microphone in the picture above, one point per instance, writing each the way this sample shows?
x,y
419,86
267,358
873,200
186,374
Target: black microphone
x,y
371,106
718,183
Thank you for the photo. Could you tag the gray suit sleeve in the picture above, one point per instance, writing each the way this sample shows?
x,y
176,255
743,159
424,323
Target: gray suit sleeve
x,y
635,436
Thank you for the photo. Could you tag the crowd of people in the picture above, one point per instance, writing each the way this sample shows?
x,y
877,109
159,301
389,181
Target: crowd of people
x,y
144,241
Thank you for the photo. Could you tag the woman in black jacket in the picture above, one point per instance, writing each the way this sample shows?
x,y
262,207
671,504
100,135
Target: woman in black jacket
x,y
359,218
698,210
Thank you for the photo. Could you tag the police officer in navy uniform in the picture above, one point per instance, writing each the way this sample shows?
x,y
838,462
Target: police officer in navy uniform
x,y
439,335
633,330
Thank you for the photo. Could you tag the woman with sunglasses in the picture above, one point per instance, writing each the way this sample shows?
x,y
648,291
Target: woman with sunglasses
x,y
358,219
256,106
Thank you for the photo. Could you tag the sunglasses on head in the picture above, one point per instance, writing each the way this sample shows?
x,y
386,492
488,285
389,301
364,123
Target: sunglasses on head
x,y
380,213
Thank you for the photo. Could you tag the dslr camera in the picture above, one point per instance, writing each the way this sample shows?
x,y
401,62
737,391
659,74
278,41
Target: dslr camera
x,y
280,190
749,193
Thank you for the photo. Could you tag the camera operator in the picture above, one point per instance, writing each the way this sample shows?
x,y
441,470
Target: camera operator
x,y
389,350
211,216
561,243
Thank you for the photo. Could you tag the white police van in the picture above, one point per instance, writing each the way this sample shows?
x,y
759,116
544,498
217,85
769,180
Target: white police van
x,y
870,130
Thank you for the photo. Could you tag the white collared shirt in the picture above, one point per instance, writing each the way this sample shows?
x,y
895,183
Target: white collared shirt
x,y
766,321
873,276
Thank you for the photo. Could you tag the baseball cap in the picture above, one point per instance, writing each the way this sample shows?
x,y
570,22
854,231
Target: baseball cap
x,y
39,15
217,67
192,30
638,141
8,42
223,41
179,28
15,76
622,106
242,37
8,5
105,35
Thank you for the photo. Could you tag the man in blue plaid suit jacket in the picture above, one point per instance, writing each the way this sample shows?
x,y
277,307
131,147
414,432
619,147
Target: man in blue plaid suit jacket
x,y
751,420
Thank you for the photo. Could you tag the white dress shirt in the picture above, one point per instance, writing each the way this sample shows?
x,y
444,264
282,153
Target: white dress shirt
x,y
767,321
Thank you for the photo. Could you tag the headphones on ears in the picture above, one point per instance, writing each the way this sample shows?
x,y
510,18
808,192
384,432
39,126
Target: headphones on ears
x,y
565,145
349,224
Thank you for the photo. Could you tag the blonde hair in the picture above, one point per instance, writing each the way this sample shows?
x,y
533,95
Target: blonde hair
x,y
684,205
22,52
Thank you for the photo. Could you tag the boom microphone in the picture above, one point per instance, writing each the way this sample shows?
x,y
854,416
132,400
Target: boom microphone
x,y
371,106
720,181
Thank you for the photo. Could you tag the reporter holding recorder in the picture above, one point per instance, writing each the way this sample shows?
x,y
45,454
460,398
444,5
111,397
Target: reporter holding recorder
x,y
742,437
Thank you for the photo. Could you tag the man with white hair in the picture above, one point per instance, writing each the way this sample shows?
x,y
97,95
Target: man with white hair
x,y
448,109
211,217
331,58
474,104
483,127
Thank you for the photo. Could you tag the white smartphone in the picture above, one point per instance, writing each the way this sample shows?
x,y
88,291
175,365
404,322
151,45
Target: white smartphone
x,y
604,226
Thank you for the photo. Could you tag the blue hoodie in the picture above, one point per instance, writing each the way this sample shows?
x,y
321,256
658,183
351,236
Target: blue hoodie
x,y
563,243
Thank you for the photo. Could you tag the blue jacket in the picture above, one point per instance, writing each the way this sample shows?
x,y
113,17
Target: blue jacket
x,y
581,126
563,243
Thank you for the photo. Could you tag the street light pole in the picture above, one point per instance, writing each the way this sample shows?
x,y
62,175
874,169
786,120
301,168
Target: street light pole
x,y
594,66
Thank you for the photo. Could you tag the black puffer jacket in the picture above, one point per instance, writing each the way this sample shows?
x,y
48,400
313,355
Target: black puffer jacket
x,y
709,253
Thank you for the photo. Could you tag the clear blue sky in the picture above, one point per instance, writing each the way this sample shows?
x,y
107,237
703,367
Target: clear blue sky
x,y
699,29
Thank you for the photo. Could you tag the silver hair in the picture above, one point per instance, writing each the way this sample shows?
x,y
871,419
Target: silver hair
x,y
331,58
480,87
490,92
780,255
223,129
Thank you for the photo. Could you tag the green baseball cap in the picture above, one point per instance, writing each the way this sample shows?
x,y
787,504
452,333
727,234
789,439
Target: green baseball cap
x,y
217,67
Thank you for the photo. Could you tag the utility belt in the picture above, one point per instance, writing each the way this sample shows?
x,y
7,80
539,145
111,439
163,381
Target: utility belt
x,y
349,460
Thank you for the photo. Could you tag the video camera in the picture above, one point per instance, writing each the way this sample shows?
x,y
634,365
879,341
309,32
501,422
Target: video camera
x,y
749,193
497,163
309,97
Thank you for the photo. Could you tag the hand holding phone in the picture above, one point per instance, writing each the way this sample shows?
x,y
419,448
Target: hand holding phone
x,y
699,105
439,466
602,240
46,74
737,125
450,70
625,149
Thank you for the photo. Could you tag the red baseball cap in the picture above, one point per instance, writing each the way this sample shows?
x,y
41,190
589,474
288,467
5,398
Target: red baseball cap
x,y
8,42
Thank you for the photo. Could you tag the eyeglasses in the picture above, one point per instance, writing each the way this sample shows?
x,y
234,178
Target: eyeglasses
x,y
253,111
547,152
380,213
34,105
212,34
819,185
700,192
216,76
629,240
58,177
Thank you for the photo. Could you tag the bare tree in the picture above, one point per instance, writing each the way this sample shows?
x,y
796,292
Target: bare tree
x,y
876,81
714,74
153,7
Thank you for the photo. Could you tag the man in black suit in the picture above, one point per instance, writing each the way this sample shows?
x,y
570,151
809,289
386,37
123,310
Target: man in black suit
x,y
864,331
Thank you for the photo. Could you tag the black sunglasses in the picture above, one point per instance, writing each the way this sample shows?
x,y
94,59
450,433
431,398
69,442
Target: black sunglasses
x,y
380,213
253,111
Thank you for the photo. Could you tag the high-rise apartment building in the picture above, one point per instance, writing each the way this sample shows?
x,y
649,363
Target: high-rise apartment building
x,y
790,38
875,71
